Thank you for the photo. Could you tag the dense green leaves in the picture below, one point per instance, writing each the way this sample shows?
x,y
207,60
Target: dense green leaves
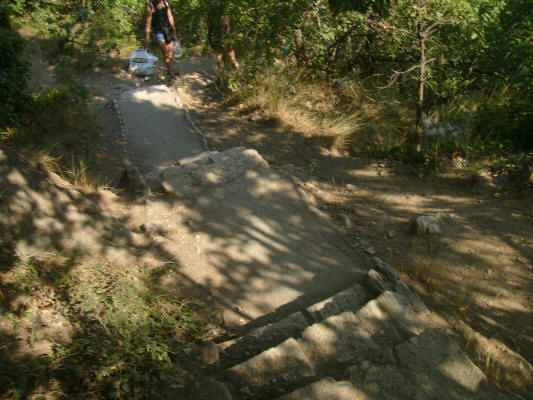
x,y
13,72
434,52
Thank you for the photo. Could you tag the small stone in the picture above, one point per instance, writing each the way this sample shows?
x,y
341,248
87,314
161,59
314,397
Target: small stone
x,y
209,354
246,390
376,281
257,116
150,227
350,187
424,225
232,319
391,234
347,221
370,251
136,182
521,260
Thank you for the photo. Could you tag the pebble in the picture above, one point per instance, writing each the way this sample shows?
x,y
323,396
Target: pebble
x,y
370,250
347,221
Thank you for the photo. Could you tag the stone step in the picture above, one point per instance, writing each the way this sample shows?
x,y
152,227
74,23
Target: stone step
x,y
255,342
327,389
427,366
209,389
346,347
330,346
273,370
262,338
351,299
343,339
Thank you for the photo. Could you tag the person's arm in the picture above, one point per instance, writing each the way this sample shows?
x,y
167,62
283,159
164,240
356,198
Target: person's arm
x,y
147,27
171,20
224,22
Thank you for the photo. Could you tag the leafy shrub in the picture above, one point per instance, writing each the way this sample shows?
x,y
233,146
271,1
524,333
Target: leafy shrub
x,y
125,331
13,73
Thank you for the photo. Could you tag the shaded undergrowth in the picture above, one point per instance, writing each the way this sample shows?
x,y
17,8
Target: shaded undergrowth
x,y
90,331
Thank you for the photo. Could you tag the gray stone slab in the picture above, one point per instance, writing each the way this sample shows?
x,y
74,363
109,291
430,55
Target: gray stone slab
x,y
375,324
192,178
156,129
327,389
350,299
402,314
391,382
338,340
436,354
283,361
283,329
209,389
430,366
264,249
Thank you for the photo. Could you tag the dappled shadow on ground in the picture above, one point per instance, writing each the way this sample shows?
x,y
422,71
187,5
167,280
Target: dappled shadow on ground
x,y
478,270
47,343
245,250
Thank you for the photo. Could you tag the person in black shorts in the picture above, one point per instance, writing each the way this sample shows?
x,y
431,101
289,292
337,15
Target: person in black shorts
x,y
159,19
219,36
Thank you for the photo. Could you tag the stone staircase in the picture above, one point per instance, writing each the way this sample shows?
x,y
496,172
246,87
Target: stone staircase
x,y
376,340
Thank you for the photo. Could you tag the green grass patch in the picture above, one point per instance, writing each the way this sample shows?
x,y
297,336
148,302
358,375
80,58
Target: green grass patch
x,y
57,130
117,332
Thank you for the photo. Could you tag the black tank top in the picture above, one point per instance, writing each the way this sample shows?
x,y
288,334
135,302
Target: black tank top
x,y
160,22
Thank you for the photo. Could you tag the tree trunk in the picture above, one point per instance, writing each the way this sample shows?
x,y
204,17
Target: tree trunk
x,y
421,84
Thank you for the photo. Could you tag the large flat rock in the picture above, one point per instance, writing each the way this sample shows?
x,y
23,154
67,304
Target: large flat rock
x,y
327,389
258,245
264,249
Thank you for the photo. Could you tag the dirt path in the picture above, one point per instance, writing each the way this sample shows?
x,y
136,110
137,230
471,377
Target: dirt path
x,y
479,271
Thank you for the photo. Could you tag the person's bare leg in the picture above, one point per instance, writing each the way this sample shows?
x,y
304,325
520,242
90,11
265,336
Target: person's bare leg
x,y
166,49
220,61
233,58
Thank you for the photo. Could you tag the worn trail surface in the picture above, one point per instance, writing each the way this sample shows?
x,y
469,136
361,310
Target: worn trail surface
x,y
259,246
157,132
250,235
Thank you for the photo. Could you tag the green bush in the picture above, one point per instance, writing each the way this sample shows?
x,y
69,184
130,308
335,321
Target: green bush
x,y
13,73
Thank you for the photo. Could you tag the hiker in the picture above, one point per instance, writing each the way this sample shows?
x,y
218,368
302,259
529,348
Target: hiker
x,y
219,36
159,18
